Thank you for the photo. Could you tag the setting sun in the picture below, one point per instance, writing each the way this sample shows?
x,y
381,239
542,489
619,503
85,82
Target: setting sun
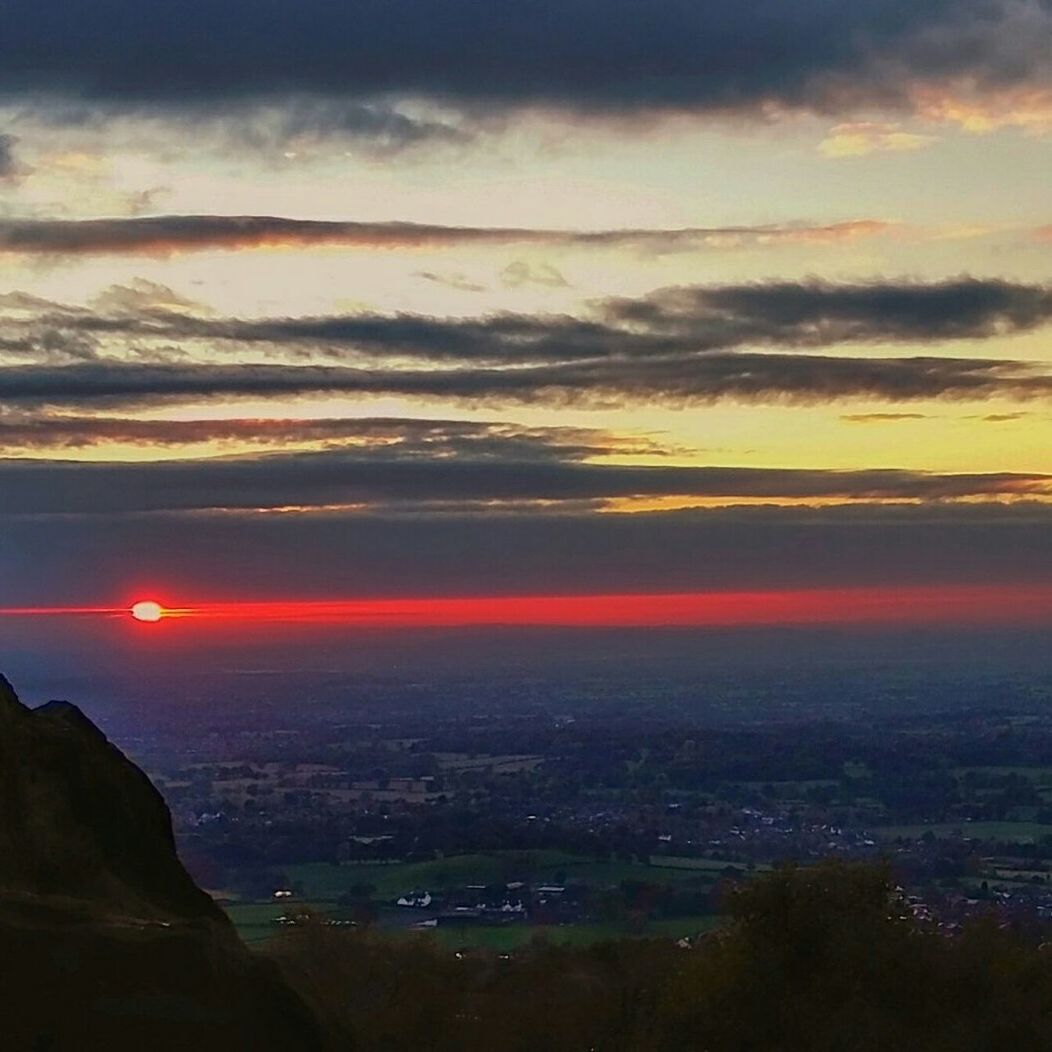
x,y
147,611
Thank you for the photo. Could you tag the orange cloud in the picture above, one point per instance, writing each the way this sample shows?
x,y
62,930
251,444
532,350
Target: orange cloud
x,y
173,234
981,111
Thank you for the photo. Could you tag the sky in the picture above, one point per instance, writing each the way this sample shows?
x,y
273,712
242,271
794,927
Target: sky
x,y
418,300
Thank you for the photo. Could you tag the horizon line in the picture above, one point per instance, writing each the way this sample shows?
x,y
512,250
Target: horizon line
x,y
908,604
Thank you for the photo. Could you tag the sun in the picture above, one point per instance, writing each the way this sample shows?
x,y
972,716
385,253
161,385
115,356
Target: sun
x,y
147,611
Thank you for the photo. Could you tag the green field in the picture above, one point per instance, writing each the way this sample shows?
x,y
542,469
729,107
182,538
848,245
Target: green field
x,y
321,885
1041,775
322,880
255,922
660,865
1017,832
515,936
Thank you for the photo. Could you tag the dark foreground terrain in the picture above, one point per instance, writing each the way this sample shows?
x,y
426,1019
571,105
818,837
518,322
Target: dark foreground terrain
x,y
106,943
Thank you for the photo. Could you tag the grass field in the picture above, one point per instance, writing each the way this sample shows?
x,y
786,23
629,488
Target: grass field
x,y
255,923
1016,832
698,866
391,880
513,937
1041,775
321,880
322,884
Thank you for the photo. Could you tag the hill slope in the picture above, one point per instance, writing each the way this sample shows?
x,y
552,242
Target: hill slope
x,y
105,940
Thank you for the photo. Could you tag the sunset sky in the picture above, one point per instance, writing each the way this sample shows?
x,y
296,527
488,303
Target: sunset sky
x,y
439,298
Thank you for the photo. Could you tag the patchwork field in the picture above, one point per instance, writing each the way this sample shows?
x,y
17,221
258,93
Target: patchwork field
x,y
321,885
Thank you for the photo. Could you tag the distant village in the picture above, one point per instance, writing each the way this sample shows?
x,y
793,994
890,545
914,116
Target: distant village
x,y
655,814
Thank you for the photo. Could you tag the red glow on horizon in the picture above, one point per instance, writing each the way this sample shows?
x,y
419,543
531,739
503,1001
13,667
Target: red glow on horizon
x,y
929,605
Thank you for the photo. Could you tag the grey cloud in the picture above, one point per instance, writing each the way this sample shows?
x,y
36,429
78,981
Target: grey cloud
x,y
882,418
380,126
10,167
521,273
404,437
141,295
665,326
792,379
272,481
689,319
452,281
677,345
605,56
819,313
80,559
164,235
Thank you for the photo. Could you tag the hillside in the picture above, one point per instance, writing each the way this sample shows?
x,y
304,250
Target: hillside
x,y
105,940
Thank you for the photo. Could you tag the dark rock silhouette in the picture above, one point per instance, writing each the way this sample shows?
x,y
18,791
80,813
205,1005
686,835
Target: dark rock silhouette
x,y
105,940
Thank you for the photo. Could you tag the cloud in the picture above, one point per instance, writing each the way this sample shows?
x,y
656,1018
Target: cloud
x,y
404,437
668,324
687,319
818,313
141,295
174,234
681,345
881,418
82,559
520,273
859,138
451,281
380,125
280,127
11,168
786,379
386,477
595,56
980,111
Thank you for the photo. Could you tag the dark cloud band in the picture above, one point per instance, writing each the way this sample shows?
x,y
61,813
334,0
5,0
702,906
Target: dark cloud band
x,y
390,436
587,55
78,559
166,235
793,379
306,480
668,323
676,345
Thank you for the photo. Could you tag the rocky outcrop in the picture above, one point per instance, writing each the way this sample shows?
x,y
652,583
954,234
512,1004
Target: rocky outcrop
x,y
79,820
105,940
